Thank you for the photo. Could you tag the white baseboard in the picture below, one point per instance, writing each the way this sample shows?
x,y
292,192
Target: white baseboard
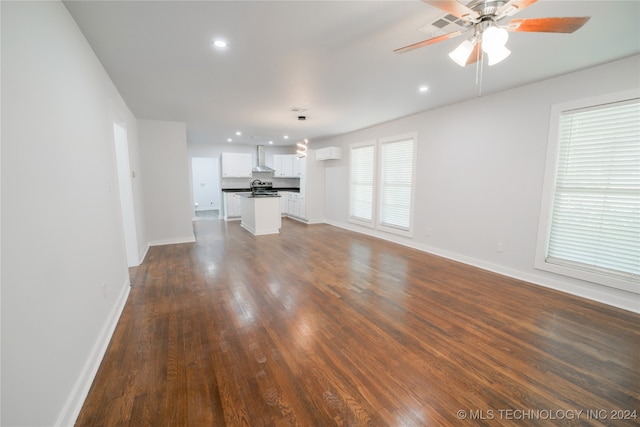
x,y
177,240
144,254
73,405
614,297
306,221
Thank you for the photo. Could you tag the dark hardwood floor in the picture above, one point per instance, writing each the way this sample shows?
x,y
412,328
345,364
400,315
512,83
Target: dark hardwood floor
x,y
320,326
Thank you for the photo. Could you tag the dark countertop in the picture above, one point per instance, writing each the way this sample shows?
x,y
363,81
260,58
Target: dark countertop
x,y
243,190
235,190
259,196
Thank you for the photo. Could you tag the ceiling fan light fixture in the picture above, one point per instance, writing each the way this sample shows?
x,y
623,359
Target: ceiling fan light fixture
x,y
494,39
461,54
498,55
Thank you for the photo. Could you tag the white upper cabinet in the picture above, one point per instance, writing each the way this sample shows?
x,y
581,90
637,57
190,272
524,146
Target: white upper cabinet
x,y
286,165
236,165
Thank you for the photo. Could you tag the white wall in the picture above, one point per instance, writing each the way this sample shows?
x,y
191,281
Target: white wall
x,y
165,182
64,274
479,175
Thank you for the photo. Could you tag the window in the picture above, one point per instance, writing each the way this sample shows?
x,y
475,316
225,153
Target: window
x,y
591,222
381,195
396,183
362,179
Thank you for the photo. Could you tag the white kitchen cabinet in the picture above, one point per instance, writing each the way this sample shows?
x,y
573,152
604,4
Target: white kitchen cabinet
x,y
284,200
295,165
232,206
236,165
286,165
293,205
277,165
328,153
302,166
302,207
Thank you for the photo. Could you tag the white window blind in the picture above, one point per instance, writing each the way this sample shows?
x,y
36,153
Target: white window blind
x,y
362,179
396,183
595,223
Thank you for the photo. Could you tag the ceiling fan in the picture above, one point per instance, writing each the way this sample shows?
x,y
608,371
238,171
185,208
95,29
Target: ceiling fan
x,y
482,16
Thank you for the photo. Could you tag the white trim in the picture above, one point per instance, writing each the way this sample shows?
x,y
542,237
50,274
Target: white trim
x,y
303,220
175,241
602,294
548,190
264,232
379,225
144,255
76,398
376,206
316,221
356,220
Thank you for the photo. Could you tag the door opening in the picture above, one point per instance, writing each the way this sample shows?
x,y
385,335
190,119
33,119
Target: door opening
x,y
126,195
206,187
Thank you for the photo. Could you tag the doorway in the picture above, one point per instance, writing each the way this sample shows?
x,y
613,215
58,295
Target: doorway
x,y
206,187
126,195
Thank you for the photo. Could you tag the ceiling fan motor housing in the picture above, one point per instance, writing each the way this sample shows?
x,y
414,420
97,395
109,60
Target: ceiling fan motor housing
x,y
486,9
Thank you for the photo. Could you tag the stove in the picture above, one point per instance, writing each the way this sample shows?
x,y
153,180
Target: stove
x,y
262,188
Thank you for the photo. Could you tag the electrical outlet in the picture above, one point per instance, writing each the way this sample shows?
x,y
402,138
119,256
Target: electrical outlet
x,y
500,247
428,232
105,291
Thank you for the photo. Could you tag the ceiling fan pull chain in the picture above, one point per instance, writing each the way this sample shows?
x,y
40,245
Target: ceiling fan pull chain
x,y
479,69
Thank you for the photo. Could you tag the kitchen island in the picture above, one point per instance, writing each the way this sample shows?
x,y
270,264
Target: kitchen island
x,y
260,215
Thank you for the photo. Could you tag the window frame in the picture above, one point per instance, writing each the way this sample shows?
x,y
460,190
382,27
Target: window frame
x,y
376,207
548,194
354,219
379,224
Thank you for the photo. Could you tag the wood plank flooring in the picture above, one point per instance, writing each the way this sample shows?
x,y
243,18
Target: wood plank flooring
x,y
320,327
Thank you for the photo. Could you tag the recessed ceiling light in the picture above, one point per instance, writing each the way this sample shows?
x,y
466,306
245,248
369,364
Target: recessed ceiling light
x,y
238,133
423,89
229,139
286,137
270,142
220,43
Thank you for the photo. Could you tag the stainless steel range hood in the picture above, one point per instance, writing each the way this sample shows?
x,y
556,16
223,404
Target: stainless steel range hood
x,y
261,166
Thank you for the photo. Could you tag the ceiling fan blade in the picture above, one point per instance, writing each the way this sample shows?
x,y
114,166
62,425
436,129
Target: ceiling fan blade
x,y
427,42
547,25
476,53
514,6
454,8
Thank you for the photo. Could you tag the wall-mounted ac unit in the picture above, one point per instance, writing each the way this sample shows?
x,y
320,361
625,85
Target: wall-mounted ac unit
x,y
328,153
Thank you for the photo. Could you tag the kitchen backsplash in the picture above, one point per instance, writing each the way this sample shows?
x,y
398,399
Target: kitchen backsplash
x,y
246,182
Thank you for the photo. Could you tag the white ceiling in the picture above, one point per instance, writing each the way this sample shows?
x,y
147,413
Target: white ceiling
x,y
333,58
